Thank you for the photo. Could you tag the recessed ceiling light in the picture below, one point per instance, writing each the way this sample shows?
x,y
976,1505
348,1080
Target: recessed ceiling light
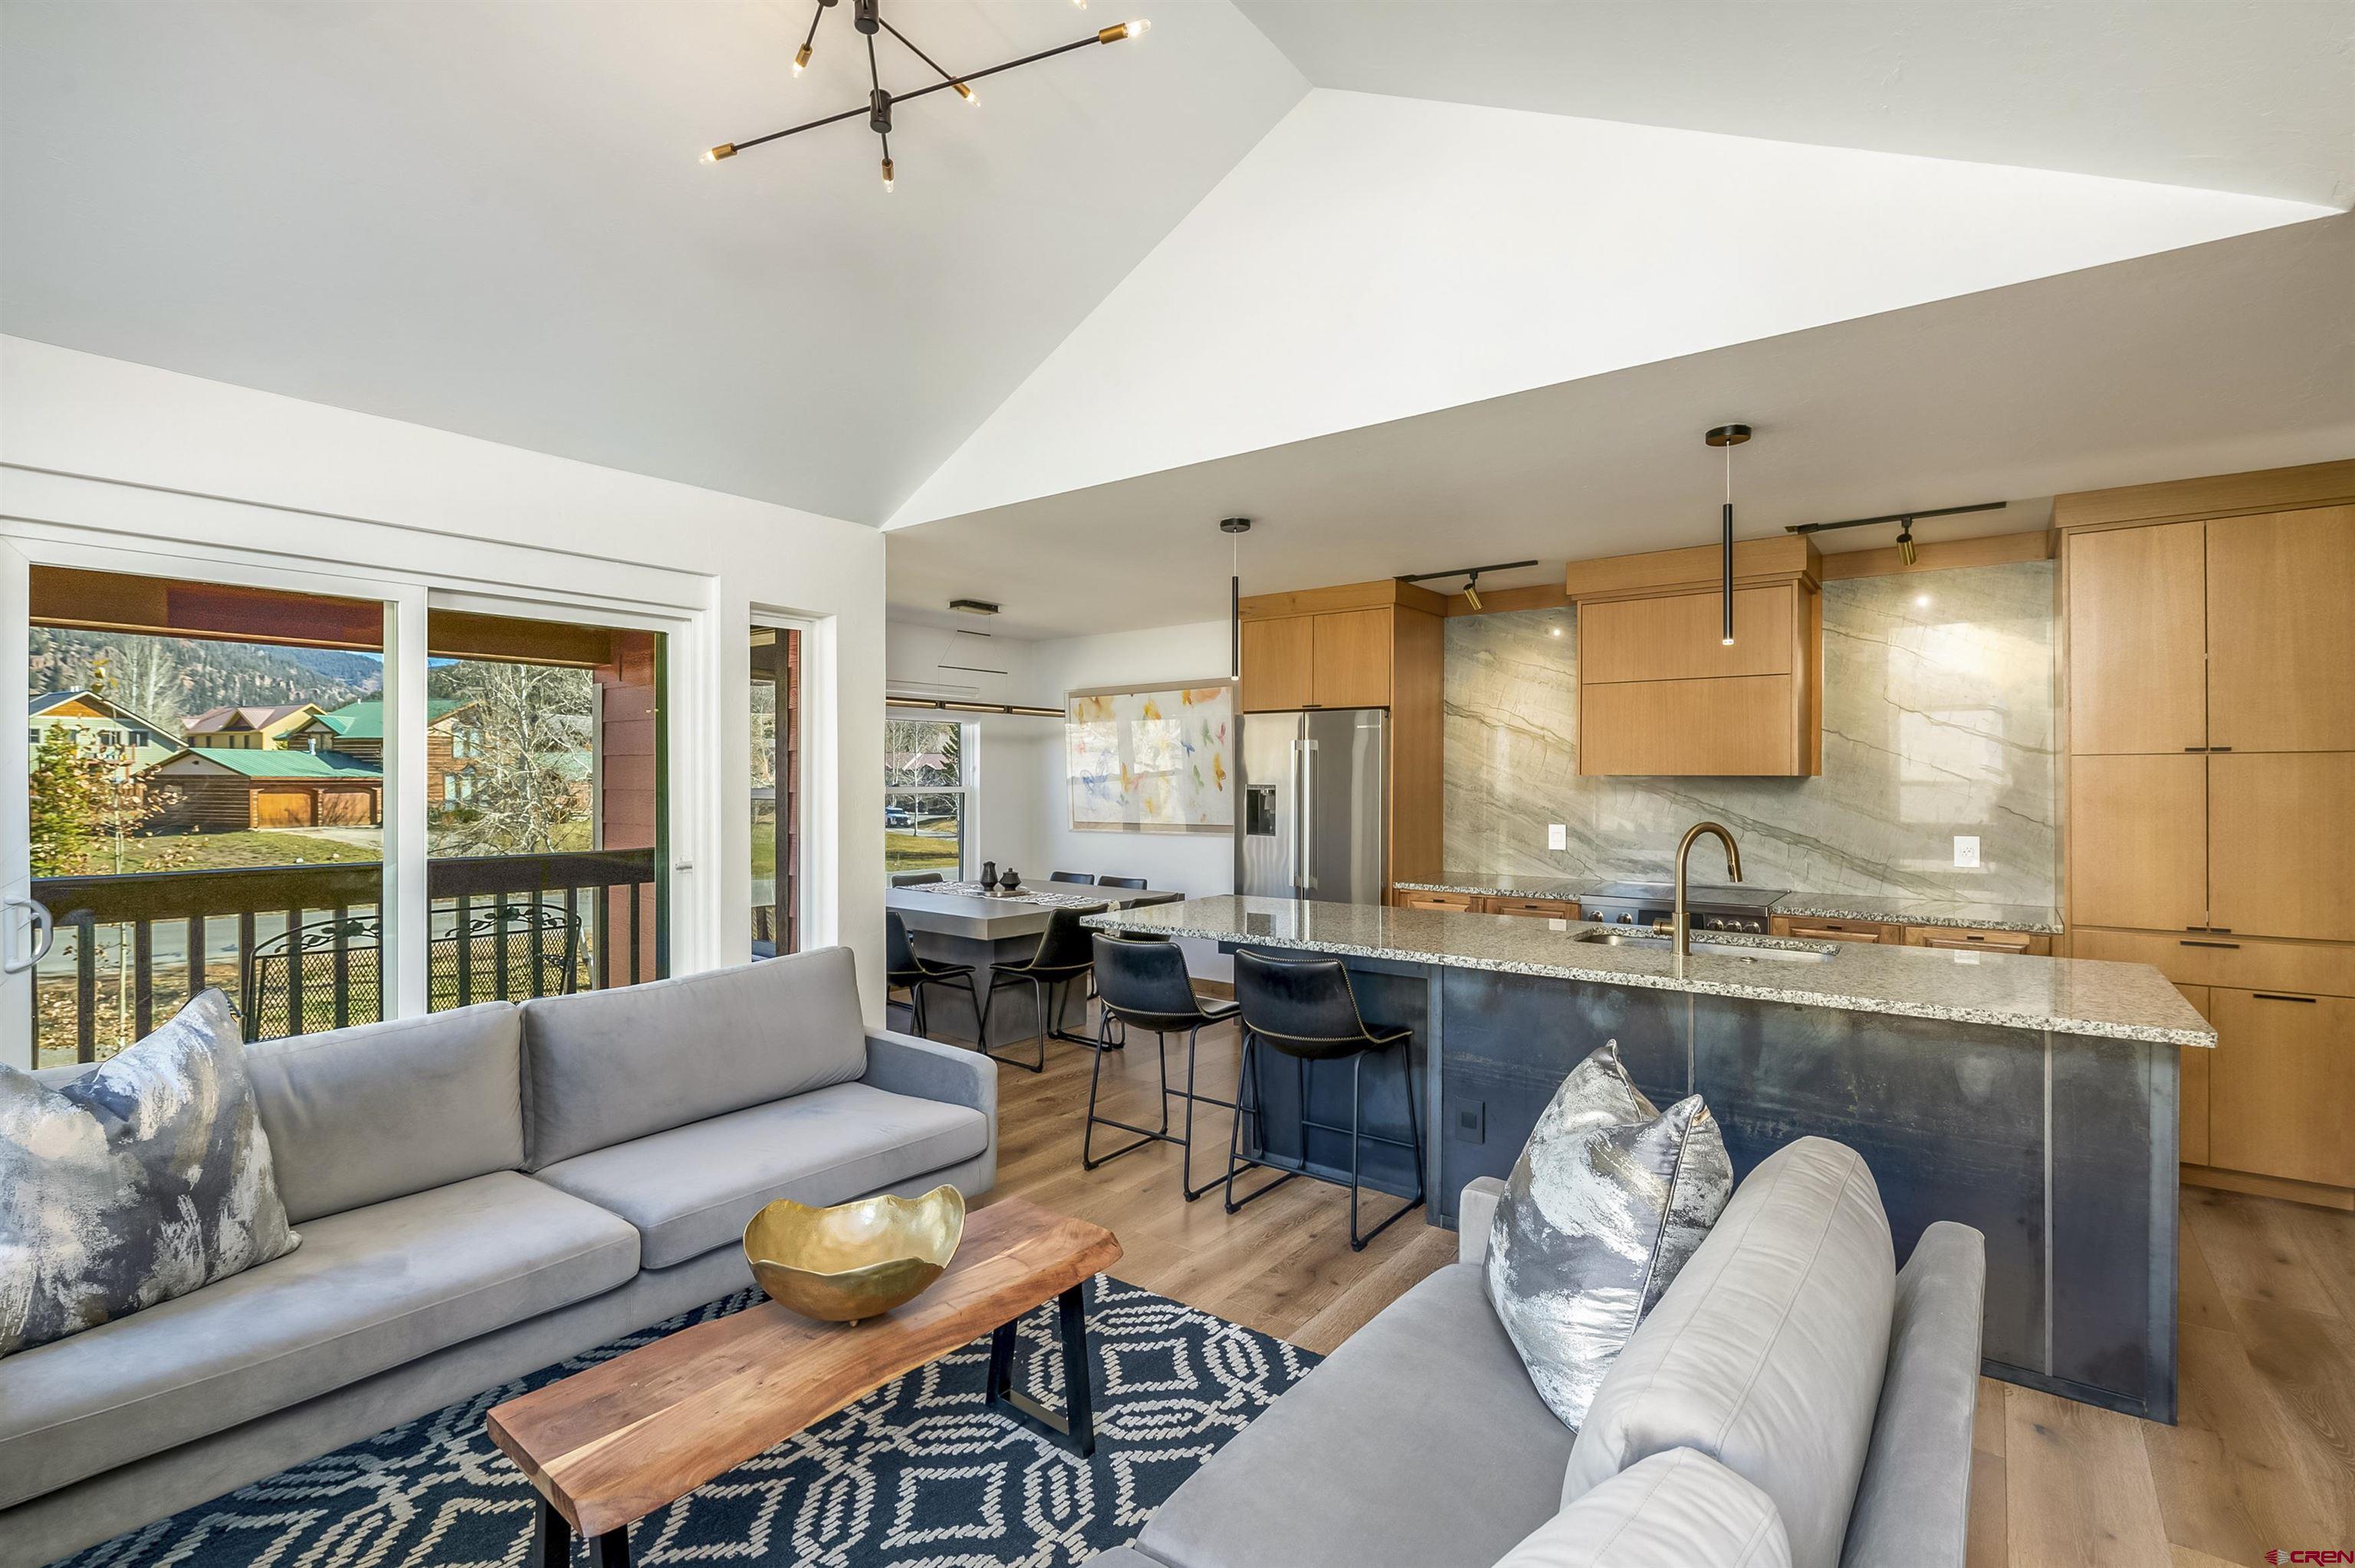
x,y
1922,599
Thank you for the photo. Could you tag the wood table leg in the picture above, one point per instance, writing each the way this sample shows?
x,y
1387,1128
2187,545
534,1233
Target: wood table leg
x,y
553,1547
1075,1423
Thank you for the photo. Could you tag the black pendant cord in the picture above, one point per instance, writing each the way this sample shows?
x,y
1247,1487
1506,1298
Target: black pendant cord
x,y
732,148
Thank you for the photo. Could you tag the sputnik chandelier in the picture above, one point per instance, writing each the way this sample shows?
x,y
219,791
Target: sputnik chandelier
x,y
867,16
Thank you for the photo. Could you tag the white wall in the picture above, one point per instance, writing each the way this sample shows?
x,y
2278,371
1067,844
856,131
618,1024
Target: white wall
x,y
1192,863
104,453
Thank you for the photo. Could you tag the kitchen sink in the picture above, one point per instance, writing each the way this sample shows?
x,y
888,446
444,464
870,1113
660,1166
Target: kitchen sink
x,y
1766,950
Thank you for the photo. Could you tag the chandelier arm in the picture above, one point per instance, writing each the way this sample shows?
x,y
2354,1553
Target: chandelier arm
x,y
873,79
922,92
919,54
817,16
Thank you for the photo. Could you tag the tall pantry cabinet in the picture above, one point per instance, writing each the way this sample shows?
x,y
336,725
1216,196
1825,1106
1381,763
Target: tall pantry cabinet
x,y
2209,628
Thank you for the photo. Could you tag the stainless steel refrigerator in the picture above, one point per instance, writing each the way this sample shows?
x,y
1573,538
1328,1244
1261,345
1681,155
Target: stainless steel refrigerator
x,y
1315,802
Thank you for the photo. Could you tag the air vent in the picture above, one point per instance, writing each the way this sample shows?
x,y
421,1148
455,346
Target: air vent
x,y
974,606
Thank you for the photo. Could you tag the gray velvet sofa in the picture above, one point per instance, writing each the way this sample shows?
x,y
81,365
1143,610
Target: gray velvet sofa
x,y
480,1193
1793,1398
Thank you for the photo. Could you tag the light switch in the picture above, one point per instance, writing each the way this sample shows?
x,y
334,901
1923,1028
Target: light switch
x,y
1966,849
1557,835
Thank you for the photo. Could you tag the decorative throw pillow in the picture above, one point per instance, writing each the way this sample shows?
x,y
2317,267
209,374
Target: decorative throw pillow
x,y
1608,1200
143,1179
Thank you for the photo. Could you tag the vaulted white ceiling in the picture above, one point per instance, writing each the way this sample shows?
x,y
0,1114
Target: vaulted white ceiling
x,y
1149,278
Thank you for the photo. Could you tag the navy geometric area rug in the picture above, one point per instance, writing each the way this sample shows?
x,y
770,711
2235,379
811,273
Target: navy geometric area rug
x,y
918,1474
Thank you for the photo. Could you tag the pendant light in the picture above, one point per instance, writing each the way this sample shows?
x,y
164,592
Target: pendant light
x,y
1234,528
1727,437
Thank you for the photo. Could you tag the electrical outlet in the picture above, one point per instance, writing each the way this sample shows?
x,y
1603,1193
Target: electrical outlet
x,y
1472,1121
1557,835
1966,849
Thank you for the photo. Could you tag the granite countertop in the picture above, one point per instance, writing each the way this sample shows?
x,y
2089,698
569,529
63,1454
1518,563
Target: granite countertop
x,y
1922,911
2120,1002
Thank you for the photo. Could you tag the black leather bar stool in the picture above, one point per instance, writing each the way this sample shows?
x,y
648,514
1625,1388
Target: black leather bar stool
x,y
904,968
1120,881
1064,955
1071,876
1143,982
1305,1010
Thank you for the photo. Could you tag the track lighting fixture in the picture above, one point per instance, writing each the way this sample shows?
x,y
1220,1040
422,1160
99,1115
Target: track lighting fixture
x,y
866,17
1471,575
1905,520
1727,437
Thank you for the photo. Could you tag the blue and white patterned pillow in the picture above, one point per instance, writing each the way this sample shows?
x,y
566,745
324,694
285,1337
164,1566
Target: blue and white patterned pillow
x,y
1609,1199
144,1179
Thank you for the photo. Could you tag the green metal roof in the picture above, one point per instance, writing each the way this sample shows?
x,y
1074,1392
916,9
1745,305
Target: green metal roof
x,y
289,764
365,721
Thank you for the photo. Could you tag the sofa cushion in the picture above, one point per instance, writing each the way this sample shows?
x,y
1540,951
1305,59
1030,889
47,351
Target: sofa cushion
x,y
1608,1200
606,1066
369,1288
146,1180
381,1110
1766,1354
694,1188
1679,1506
1419,1441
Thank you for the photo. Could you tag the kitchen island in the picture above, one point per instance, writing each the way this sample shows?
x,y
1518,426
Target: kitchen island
x,y
2033,1098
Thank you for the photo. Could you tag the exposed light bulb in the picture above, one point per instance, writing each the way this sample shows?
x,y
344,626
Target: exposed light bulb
x,y
1139,27
964,92
887,173
801,59
1120,30
1725,641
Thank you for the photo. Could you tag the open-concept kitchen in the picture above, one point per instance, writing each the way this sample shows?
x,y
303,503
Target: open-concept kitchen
x,y
1283,784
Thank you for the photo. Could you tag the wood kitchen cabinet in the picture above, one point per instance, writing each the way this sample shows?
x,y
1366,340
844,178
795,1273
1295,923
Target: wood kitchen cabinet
x,y
1424,898
2210,681
1821,929
2137,665
1962,940
1362,646
1661,693
2281,632
2281,1090
2139,840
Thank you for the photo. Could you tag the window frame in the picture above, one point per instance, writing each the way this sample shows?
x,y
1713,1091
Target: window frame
x,y
967,790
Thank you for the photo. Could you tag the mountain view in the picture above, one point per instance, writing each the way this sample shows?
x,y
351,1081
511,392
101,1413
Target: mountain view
x,y
167,678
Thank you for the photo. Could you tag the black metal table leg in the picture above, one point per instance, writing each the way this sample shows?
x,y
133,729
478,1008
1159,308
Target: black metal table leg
x,y
610,1549
553,1547
1076,1422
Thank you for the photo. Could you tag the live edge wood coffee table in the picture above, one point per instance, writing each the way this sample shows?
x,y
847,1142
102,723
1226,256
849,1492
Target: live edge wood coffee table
x,y
611,1445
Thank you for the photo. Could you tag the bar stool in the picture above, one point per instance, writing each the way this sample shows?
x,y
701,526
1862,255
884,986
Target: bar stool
x,y
1063,955
905,968
1143,982
1306,1010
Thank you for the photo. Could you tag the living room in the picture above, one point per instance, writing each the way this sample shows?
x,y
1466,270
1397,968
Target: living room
x,y
1278,782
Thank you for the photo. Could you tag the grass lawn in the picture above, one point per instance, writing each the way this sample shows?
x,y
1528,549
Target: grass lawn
x,y
904,850
209,852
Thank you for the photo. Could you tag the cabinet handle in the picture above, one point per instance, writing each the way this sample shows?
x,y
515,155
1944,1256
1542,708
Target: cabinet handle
x,y
2195,748
2220,749
2277,996
2186,942
2212,930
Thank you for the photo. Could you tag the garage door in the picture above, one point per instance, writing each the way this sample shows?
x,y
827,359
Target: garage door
x,y
347,808
281,809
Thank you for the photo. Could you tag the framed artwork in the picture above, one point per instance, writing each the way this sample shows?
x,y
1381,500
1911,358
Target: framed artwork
x,y
1151,760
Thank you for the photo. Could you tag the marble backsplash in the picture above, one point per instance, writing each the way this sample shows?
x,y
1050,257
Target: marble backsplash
x,y
1938,720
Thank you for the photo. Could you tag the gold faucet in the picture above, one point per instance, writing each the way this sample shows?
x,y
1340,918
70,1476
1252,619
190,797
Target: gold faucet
x,y
1680,924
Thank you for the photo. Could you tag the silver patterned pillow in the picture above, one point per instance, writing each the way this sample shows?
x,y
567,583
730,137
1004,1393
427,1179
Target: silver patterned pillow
x,y
1608,1200
143,1179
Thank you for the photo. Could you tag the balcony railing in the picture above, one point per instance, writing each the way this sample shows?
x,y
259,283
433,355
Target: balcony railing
x,y
162,937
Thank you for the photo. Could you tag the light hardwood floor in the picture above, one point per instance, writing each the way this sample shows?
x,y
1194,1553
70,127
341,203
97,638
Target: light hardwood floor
x,y
2265,1456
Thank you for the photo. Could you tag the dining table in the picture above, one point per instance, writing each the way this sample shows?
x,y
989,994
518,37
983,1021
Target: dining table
x,y
962,923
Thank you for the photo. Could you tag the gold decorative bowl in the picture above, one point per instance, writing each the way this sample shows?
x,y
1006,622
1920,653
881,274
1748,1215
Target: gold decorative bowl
x,y
855,1260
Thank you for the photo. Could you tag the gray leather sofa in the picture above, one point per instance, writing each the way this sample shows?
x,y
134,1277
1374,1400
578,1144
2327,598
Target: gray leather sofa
x,y
480,1193
1793,1398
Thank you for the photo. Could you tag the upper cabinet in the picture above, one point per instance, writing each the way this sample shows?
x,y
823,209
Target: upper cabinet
x,y
1660,691
2138,679
2281,631
1362,646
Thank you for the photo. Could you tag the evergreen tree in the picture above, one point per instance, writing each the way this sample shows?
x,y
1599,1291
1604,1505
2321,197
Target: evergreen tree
x,y
61,805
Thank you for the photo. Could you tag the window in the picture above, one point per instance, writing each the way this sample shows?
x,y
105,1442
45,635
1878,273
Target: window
x,y
927,796
776,672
